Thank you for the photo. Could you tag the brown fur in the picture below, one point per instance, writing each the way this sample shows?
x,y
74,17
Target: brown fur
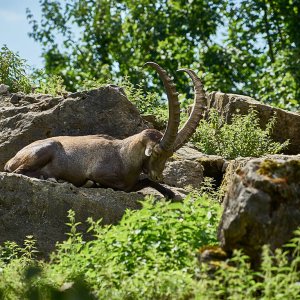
x,y
110,162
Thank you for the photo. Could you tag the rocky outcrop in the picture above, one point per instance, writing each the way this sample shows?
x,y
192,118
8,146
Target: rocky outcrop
x,y
183,173
233,166
29,206
262,205
287,123
27,118
213,165
3,88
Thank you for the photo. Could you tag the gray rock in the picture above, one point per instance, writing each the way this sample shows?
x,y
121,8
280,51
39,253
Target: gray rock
x,y
213,166
15,99
29,206
233,166
286,127
104,110
183,173
261,206
157,124
3,88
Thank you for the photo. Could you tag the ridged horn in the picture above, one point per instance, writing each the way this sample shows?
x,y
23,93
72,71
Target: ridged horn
x,y
200,104
167,142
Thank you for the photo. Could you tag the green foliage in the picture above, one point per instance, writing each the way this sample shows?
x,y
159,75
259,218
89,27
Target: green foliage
x,y
149,255
13,71
247,47
278,85
265,40
277,278
147,103
48,84
151,252
242,137
114,38
160,239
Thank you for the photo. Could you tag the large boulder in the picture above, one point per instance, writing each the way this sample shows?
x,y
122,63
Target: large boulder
x,y
183,173
27,118
213,165
232,167
287,124
262,205
30,206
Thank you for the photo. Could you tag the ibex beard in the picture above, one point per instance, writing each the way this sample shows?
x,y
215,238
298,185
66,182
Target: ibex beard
x,y
111,162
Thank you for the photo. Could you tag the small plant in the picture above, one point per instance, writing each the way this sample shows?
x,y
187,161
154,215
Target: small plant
x,y
150,254
49,84
29,250
147,103
9,251
13,71
243,137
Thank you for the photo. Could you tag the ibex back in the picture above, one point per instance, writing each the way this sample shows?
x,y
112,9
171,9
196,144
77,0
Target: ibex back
x,y
110,162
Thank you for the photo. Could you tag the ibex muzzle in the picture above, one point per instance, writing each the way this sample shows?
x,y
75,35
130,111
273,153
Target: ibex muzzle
x,y
110,162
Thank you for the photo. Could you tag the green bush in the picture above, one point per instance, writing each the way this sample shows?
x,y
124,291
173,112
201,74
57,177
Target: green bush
x,y
49,84
151,254
159,239
13,71
277,278
243,137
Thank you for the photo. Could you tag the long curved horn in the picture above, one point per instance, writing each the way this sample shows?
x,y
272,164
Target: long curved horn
x,y
167,142
200,104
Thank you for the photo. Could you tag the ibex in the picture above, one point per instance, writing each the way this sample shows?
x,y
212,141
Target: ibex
x,y
111,162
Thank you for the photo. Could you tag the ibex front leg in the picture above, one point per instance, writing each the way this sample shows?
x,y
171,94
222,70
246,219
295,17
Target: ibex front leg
x,y
146,182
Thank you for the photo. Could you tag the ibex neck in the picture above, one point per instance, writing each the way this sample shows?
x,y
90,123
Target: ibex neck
x,y
132,151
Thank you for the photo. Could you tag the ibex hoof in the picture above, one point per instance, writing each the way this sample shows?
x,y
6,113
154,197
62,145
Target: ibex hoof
x,y
52,179
89,184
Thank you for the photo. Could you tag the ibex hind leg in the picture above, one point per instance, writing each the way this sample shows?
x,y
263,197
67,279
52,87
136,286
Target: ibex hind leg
x,y
31,162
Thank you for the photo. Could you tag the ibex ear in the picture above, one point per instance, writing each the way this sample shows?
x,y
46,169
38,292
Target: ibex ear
x,y
148,150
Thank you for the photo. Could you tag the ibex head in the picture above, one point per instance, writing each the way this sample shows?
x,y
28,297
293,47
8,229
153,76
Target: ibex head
x,y
172,140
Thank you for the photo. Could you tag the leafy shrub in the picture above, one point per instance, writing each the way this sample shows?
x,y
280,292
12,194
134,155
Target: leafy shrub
x,y
243,137
158,239
49,84
277,278
13,71
149,255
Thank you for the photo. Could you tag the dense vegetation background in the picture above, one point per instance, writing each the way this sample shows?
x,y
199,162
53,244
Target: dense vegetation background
x,y
242,46
248,47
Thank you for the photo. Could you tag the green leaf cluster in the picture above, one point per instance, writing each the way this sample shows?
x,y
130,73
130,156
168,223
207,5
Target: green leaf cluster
x,y
246,47
48,84
149,255
13,71
243,137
